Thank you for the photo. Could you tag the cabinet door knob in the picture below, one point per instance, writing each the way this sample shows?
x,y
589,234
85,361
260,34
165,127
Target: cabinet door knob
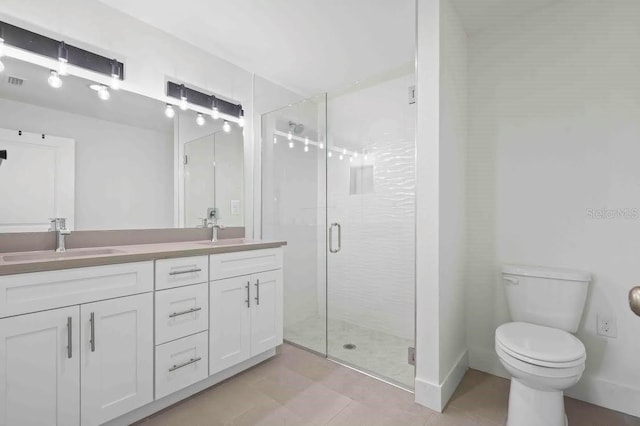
x,y
634,300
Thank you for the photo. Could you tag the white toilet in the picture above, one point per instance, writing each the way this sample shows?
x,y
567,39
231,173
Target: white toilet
x,y
538,349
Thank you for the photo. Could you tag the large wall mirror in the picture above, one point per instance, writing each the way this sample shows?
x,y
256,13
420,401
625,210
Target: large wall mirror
x,y
107,159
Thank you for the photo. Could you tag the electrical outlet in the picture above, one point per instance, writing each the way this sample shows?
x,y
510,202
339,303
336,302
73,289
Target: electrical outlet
x,y
606,326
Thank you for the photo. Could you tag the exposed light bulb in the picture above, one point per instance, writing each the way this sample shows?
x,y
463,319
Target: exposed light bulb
x,y
215,114
275,140
290,136
341,157
321,145
351,159
226,126
169,111
200,120
241,121
62,67
306,149
115,82
54,80
291,145
103,93
366,157
330,154
355,155
306,141
344,151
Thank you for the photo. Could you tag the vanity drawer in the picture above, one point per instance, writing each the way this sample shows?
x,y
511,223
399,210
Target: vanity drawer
x,y
37,291
227,265
181,363
181,311
181,271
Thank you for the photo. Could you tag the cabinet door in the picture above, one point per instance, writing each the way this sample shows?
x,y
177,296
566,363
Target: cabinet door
x,y
266,311
229,310
40,369
117,357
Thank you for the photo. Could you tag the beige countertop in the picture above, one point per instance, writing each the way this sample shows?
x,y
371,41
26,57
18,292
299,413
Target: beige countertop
x,y
37,261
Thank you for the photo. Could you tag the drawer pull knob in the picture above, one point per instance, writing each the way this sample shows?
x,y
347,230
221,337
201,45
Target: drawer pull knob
x,y
186,271
188,311
184,364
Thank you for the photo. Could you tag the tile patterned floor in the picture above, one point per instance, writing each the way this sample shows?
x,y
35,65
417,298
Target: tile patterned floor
x,y
380,353
299,388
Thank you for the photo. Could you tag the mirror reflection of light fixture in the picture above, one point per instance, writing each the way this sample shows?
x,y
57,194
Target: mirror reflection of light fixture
x,y
169,111
241,121
54,80
103,91
226,126
200,119
63,58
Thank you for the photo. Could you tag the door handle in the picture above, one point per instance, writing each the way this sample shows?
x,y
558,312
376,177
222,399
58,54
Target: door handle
x,y
188,311
248,295
92,341
257,292
331,249
184,364
187,271
69,338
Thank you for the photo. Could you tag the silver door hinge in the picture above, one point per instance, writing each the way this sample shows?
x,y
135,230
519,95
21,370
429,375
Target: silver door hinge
x,y
412,95
411,359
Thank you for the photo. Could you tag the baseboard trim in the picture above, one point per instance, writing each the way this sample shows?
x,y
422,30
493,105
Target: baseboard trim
x,y
160,404
591,389
436,396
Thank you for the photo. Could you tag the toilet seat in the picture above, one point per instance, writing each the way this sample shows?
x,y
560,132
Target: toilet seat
x,y
540,346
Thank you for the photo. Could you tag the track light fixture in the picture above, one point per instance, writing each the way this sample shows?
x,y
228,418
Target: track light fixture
x,y
54,79
115,75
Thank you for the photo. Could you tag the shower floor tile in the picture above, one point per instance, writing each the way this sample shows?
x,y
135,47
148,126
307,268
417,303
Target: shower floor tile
x,y
378,353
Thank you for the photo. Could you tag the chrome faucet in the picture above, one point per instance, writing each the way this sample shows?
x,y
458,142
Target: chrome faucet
x,y
59,226
213,224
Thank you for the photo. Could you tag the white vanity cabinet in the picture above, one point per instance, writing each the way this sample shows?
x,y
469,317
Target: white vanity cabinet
x,y
75,361
246,310
40,368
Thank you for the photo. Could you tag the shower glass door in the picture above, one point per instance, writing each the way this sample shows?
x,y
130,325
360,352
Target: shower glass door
x,y
371,217
338,184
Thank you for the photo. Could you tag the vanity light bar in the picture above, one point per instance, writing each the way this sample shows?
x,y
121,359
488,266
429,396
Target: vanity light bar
x,y
194,97
60,51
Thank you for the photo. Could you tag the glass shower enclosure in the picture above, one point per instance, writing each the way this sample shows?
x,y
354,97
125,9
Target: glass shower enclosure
x,y
338,184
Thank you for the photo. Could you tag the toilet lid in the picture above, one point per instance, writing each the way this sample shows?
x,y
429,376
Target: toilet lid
x,y
539,343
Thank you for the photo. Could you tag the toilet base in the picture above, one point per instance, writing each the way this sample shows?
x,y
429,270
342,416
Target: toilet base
x,y
533,407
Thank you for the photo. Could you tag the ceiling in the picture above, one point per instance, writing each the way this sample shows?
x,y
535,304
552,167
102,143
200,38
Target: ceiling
x,y
76,97
477,15
309,46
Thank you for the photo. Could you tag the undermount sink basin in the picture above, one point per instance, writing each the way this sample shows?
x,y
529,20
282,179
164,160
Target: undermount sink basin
x,y
227,242
52,255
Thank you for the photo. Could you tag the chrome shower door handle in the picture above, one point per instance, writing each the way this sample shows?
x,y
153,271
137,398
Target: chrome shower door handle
x,y
331,249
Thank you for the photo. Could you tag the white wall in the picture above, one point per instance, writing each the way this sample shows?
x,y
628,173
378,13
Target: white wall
x,y
441,221
124,174
554,131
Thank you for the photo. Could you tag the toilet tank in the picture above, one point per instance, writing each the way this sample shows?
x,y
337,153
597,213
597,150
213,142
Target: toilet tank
x,y
546,296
